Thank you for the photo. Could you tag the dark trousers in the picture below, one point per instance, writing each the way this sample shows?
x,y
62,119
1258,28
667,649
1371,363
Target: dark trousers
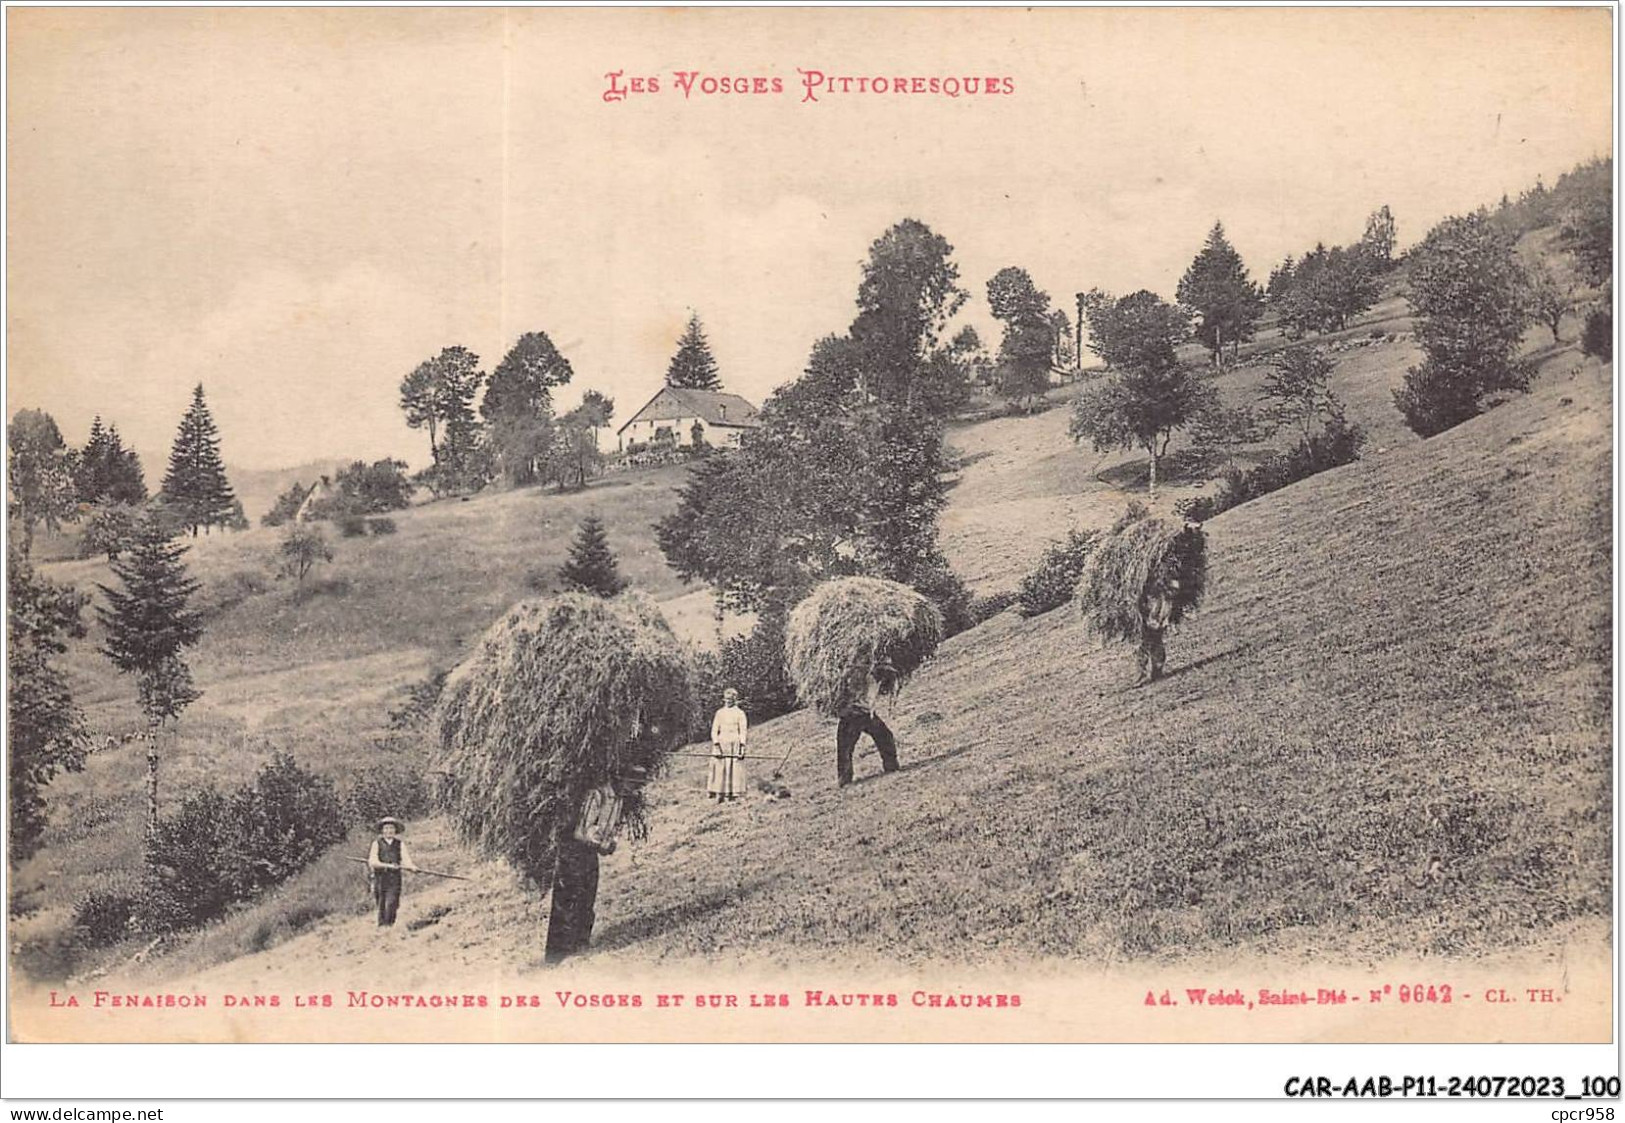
x,y
854,725
386,890
1152,655
575,896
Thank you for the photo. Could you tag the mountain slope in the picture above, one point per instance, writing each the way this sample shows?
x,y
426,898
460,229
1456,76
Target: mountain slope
x,y
1386,733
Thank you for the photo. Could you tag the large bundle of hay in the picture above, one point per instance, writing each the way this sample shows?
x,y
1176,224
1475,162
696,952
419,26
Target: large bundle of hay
x,y
1142,557
847,627
560,696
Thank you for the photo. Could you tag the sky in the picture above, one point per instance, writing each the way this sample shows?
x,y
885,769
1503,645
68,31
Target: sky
x,y
295,207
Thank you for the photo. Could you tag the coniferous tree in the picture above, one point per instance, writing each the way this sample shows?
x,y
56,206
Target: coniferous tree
x,y
591,566
125,481
148,625
1225,300
89,478
693,367
47,732
106,471
195,487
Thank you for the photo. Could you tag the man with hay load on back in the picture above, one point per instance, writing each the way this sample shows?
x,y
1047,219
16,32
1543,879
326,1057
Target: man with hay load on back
x,y
1141,580
547,731
851,641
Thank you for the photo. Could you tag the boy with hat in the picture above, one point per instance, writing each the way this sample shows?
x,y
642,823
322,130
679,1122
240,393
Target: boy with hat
x,y
385,861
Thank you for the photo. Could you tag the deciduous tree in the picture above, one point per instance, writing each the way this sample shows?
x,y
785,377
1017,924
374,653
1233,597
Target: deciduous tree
x,y
518,405
1150,395
46,732
40,474
1470,296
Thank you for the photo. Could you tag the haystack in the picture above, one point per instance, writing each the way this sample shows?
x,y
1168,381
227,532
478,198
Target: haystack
x,y
847,627
1143,556
560,696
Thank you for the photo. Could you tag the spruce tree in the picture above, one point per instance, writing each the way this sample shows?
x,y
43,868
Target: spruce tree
x,y
1216,287
126,483
148,625
106,471
195,486
90,473
591,566
693,367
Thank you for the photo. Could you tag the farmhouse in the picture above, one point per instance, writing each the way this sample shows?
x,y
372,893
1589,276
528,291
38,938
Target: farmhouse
x,y
677,414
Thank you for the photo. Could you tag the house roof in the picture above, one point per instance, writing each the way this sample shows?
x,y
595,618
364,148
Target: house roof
x,y
711,406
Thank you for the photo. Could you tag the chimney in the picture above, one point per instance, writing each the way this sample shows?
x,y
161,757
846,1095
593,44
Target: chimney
x,y
722,408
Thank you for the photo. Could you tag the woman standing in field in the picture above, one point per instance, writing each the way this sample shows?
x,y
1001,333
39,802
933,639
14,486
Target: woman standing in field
x,y
727,776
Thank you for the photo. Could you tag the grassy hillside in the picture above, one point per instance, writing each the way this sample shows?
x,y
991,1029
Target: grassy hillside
x,y
1395,697
1387,733
318,670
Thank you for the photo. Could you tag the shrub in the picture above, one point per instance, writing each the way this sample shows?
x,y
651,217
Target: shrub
x,y
1337,444
288,817
352,526
104,917
943,588
217,850
396,789
302,547
753,665
1055,580
1598,337
192,865
986,607
110,529
377,527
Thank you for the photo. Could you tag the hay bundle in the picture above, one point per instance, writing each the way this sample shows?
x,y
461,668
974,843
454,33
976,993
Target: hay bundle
x,y
847,627
1142,557
560,696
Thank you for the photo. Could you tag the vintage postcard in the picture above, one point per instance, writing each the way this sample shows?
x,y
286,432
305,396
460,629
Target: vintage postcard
x,y
817,525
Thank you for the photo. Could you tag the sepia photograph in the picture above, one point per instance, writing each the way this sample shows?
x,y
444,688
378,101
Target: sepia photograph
x,y
819,525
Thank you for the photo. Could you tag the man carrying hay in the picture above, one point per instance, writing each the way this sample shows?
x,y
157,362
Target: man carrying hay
x,y
863,716
547,731
851,641
1141,580
728,726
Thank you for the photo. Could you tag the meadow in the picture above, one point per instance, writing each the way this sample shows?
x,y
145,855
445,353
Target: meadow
x,y
1387,731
